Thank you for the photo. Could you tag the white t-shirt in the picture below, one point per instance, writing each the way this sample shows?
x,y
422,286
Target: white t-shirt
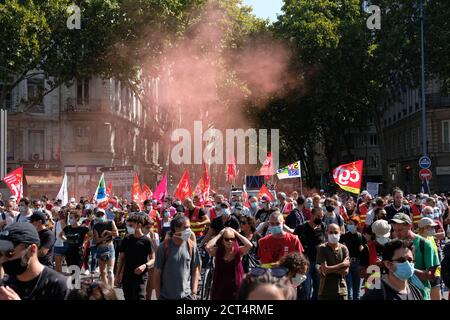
x,y
58,242
24,217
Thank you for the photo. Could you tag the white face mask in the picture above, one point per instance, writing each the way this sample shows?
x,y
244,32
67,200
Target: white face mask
x,y
334,238
185,235
382,240
130,230
431,232
149,208
298,279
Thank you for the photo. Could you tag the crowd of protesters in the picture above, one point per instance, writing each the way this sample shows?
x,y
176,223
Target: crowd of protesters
x,y
320,247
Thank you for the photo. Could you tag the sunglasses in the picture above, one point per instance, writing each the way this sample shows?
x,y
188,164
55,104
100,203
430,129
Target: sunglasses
x,y
229,239
276,272
403,260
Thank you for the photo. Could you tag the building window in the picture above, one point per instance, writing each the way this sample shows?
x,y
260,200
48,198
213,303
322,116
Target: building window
x,y
10,146
36,144
373,140
417,106
35,88
372,162
410,109
83,91
446,135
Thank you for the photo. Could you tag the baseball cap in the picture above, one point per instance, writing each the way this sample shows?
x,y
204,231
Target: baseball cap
x,y
265,199
426,222
224,205
401,218
13,198
17,233
381,228
38,215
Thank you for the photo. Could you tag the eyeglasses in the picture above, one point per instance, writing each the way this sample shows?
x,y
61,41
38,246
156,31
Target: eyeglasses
x,y
229,239
403,260
276,272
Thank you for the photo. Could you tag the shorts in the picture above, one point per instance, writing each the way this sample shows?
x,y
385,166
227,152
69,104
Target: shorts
x,y
106,253
59,251
436,282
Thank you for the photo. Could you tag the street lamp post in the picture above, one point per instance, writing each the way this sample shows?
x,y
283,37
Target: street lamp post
x,y
422,71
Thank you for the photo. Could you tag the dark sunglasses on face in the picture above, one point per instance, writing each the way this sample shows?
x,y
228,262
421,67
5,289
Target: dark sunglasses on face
x,y
276,272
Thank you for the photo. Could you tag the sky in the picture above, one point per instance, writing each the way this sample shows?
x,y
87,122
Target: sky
x,y
266,8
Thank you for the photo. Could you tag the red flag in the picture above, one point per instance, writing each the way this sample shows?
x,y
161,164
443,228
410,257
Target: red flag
x,y
231,169
349,176
146,191
108,189
14,180
206,183
184,187
161,189
265,192
267,167
136,190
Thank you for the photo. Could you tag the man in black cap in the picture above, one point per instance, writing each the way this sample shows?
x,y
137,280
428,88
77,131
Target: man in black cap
x,y
46,237
27,278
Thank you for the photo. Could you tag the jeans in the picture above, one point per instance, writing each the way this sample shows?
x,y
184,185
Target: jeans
x,y
353,280
134,286
93,258
311,283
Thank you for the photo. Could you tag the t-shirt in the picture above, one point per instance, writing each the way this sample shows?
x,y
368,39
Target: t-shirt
x,y
263,215
332,285
75,236
295,218
391,211
217,224
176,274
336,219
136,252
49,285
271,249
310,238
387,293
100,227
47,239
352,241
425,260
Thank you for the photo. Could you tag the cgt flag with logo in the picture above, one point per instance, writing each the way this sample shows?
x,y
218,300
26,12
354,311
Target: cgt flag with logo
x,y
349,176
14,181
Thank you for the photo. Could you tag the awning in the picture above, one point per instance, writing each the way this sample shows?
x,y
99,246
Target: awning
x,y
44,180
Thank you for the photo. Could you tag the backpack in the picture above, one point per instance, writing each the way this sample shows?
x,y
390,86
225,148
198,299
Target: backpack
x,y
445,266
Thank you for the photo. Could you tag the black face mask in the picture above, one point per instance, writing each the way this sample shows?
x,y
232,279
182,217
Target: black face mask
x,y
329,208
17,266
317,221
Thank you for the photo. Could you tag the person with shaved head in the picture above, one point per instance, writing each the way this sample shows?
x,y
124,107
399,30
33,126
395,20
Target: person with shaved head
x,y
333,263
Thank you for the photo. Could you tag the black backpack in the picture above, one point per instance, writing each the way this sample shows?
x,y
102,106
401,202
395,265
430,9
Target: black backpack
x,y
445,266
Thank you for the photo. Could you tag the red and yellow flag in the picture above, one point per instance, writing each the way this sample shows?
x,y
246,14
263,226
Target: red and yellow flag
x,y
349,176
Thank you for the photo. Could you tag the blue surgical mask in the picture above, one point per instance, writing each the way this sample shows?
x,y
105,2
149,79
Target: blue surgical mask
x,y
254,205
166,214
275,230
351,228
405,270
226,212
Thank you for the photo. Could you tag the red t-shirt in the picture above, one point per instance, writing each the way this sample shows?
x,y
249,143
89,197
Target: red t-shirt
x,y
271,249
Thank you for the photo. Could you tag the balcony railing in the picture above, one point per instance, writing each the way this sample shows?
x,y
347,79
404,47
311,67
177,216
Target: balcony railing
x,y
436,100
93,105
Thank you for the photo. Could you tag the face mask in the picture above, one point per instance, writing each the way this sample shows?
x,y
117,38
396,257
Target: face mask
x,y
130,230
22,209
351,228
72,221
431,232
334,238
329,208
428,215
185,235
254,205
225,212
317,221
17,266
405,270
382,240
309,205
275,230
101,219
276,203
149,208
166,214
298,280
